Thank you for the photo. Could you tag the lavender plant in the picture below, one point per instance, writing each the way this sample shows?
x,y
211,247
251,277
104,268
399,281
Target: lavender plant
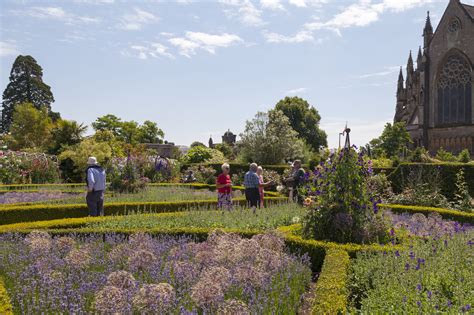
x,y
223,275
434,276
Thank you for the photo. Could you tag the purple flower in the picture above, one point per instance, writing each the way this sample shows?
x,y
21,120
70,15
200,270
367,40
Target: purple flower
x,y
428,294
418,287
397,253
407,266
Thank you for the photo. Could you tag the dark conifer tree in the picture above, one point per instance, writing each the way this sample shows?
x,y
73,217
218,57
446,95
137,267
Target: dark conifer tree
x,y
26,86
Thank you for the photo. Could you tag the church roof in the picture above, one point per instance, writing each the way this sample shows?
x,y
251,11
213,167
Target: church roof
x,y
469,9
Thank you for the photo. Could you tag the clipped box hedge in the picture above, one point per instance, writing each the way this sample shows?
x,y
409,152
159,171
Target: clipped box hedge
x,y
14,214
5,304
331,289
401,175
455,215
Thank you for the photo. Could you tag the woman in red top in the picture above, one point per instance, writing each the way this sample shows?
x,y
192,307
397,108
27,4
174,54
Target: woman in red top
x,y
224,188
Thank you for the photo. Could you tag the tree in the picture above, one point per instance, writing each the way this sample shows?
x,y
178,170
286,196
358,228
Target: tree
x,y
108,123
66,133
150,133
129,132
304,119
30,128
198,154
197,144
269,139
394,139
26,86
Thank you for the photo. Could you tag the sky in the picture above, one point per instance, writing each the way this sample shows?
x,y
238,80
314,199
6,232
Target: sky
x,y
198,68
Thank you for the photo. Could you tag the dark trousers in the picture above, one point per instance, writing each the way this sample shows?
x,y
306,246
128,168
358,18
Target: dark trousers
x,y
95,202
253,197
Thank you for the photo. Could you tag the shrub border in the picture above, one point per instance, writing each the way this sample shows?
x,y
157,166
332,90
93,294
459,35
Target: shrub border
x,y
455,215
331,288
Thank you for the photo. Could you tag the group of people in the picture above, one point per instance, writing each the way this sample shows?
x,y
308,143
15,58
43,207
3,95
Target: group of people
x,y
255,185
253,181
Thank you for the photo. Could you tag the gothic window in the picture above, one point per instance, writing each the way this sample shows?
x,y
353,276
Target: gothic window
x,y
454,25
455,91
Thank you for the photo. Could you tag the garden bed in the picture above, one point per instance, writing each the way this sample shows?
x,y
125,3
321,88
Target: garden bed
x,y
224,274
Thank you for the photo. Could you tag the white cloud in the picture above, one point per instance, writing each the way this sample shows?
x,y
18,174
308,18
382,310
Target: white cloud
x,y
244,11
57,13
272,5
154,50
296,91
364,13
193,41
135,21
8,49
95,1
306,3
388,71
300,37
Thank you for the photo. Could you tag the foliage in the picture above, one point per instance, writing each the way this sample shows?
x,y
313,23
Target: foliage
x,y
129,131
433,276
30,128
226,149
197,144
464,156
331,292
5,304
343,209
422,188
26,86
444,156
379,185
66,133
200,154
393,141
128,175
270,139
382,162
153,275
419,155
23,168
203,174
305,120
76,157
462,198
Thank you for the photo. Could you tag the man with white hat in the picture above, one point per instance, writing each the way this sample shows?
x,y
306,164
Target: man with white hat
x,y
95,180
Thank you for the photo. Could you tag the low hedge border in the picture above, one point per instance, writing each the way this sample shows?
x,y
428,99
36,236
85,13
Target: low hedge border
x,y
331,289
40,212
5,304
455,215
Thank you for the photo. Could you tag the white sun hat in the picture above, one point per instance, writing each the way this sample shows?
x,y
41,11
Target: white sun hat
x,y
92,161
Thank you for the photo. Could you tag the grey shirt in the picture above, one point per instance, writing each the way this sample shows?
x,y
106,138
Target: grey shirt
x,y
96,179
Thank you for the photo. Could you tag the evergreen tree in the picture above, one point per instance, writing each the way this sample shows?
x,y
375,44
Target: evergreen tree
x,y
26,86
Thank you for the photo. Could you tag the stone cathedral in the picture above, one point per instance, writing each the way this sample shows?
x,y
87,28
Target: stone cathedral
x,y
436,100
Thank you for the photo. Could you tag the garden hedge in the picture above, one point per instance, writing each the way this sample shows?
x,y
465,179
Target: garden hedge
x,y
455,215
401,175
331,289
15,214
5,304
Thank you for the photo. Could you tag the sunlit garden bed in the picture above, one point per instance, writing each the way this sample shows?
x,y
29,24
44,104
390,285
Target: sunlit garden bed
x,y
225,274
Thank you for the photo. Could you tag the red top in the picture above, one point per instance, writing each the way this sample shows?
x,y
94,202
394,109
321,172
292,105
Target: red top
x,y
223,179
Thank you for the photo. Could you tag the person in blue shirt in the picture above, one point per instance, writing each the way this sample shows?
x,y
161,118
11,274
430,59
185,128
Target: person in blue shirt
x,y
95,180
252,184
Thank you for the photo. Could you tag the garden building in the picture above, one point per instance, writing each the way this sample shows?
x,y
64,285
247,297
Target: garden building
x,y
435,99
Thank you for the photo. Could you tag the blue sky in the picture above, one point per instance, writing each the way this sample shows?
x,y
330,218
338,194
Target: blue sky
x,y
198,68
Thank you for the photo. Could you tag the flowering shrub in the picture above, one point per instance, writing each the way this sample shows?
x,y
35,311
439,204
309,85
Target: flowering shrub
x,y
203,174
25,168
433,276
225,274
340,206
